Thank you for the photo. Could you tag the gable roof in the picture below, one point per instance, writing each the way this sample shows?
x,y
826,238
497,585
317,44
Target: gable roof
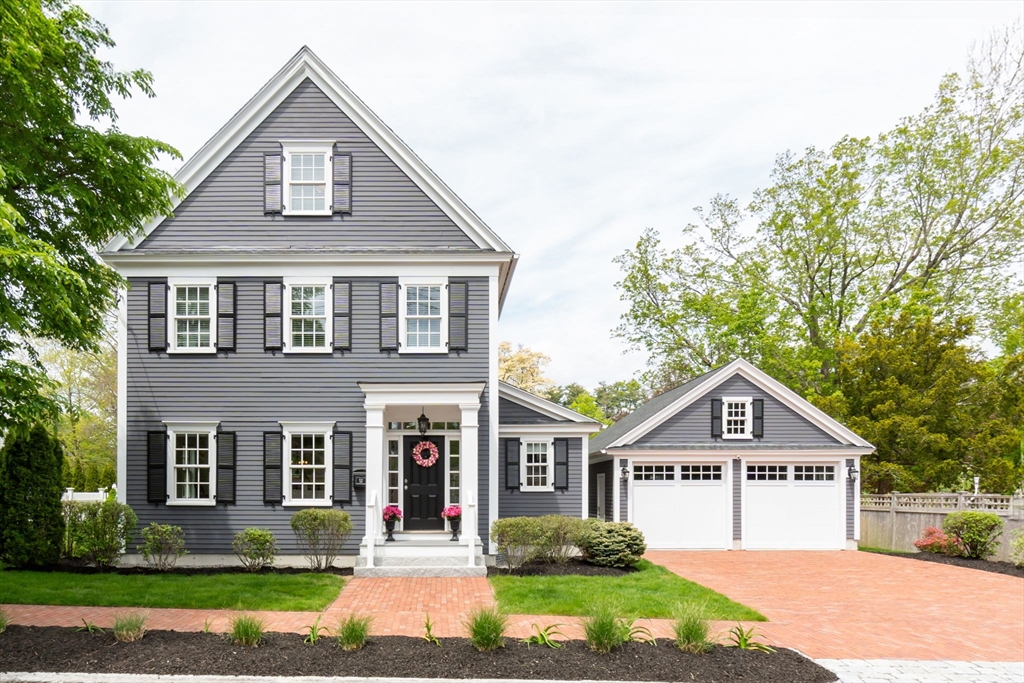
x,y
305,65
661,408
543,406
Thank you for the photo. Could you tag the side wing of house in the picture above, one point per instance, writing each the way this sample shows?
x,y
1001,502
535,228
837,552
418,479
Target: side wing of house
x,y
732,459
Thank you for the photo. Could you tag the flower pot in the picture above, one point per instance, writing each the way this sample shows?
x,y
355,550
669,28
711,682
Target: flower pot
x,y
389,524
455,521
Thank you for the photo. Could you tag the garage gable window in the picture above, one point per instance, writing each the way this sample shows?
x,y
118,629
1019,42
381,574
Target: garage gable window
x,y
654,472
700,472
737,418
767,472
814,473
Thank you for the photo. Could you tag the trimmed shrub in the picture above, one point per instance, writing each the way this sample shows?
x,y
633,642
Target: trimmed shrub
x,y
31,523
71,545
486,627
1017,547
560,536
933,540
517,538
975,533
255,548
612,544
321,533
162,545
107,529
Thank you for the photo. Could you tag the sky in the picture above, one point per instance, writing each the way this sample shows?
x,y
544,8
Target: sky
x,y
568,127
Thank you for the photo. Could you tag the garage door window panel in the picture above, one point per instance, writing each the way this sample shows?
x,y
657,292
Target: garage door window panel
x,y
654,473
696,473
814,473
767,472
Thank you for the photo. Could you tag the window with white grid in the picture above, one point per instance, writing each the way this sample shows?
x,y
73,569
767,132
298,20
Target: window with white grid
x,y
308,306
700,473
307,465
814,473
308,175
536,459
736,418
192,463
454,472
193,316
767,472
654,472
393,473
424,313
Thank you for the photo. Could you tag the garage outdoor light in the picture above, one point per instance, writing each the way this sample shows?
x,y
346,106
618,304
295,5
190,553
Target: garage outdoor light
x,y
624,474
852,472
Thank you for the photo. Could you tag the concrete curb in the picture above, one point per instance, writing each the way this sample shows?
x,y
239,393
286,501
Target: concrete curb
x,y
50,677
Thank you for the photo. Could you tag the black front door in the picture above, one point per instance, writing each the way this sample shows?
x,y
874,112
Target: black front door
x,y
424,487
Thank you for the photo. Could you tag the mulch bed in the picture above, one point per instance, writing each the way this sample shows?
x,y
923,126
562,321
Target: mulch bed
x,y
30,648
571,568
983,565
140,570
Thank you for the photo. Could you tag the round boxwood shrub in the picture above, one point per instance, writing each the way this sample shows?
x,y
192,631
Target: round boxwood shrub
x,y
974,532
321,533
255,548
613,544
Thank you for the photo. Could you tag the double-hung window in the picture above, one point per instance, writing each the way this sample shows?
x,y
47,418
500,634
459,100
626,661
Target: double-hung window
x,y
192,311
536,458
192,463
737,418
307,456
307,178
423,309
308,305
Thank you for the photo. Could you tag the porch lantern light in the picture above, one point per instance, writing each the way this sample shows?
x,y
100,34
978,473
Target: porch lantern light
x,y
423,423
624,474
852,472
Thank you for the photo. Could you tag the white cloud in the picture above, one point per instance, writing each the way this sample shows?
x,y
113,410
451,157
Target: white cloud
x,y
568,127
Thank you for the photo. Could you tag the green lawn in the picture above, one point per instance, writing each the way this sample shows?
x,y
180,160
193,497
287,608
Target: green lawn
x,y
651,592
291,592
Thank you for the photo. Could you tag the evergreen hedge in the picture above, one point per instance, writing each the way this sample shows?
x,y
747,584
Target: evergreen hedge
x,y
31,519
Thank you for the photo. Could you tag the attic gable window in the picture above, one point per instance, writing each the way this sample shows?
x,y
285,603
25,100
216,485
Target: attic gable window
x,y
737,418
307,178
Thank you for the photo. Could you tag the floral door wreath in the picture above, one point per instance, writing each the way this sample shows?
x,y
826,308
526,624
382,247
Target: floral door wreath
x,y
417,453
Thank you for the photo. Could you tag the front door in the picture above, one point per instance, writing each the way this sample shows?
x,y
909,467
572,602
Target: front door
x,y
424,487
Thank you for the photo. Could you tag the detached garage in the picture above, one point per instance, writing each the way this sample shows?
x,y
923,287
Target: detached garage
x,y
730,460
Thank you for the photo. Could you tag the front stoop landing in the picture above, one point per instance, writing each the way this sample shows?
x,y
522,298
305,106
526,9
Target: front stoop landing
x,y
420,556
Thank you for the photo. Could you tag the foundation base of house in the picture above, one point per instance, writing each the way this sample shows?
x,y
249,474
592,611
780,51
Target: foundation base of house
x,y
225,560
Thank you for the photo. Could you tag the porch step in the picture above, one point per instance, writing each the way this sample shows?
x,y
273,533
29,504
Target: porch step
x,y
419,571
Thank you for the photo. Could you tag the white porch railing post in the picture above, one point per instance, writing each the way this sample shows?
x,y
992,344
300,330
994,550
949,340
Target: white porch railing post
x,y
470,428
374,473
371,526
471,537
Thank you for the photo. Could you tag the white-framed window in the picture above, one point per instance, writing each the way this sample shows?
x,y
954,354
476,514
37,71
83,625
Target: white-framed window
x,y
191,463
394,474
192,315
423,313
454,472
767,472
654,472
308,308
814,472
307,459
536,460
700,473
736,418
308,177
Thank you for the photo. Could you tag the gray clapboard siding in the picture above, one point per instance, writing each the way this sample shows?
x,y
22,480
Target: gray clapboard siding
x,y
251,390
227,209
606,469
692,425
535,503
512,413
623,492
851,493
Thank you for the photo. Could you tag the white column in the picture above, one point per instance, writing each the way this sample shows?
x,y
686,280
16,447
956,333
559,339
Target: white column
x,y
617,479
584,448
492,406
470,474
374,473
122,396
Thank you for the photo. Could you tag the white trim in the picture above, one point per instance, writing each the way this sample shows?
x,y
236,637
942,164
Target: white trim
x,y
327,430
544,406
617,488
204,427
600,482
493,404
765,382
122,395
585,479
554,429
748,420
744,453
308,281
403,333
292,147
382,395
307,65
172,318
549,465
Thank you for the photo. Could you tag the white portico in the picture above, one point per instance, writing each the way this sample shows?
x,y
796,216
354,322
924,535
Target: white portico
x,y
423,545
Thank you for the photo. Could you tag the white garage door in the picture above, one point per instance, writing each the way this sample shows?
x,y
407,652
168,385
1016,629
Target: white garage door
x,y
681,505
792,507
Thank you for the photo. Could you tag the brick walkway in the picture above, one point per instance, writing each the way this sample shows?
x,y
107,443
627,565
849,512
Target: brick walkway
x,y
854,605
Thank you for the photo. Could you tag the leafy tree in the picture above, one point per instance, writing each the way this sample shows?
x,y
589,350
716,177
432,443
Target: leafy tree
x,y
522,367
584,404
619,399
936,203
70,181
564,395
31,519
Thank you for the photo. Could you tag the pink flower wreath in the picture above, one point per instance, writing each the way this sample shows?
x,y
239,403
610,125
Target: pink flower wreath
x,y
425,446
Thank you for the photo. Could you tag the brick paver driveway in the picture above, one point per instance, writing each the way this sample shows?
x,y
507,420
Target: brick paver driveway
x,y
858,605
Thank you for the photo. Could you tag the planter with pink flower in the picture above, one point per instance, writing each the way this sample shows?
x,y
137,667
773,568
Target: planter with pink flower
x,y
453,513
392,514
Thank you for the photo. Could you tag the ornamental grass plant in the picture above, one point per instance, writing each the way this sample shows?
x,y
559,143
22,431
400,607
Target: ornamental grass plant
x,y
486,627
247,630
352,632
692,629
129,626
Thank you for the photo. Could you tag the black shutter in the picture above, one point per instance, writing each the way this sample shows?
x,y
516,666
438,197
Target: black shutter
x,y
226,467
561,463
716,418
457,306
389,316
342,183
512,464
272,199
342,467
225,316
758,427
156,466
273,447
272,306
342,315
158,316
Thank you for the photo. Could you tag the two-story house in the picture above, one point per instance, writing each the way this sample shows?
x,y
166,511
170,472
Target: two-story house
x,y
317,325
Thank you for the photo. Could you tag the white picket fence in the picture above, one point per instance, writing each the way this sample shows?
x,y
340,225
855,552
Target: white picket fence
x,y
1006,506
86,496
